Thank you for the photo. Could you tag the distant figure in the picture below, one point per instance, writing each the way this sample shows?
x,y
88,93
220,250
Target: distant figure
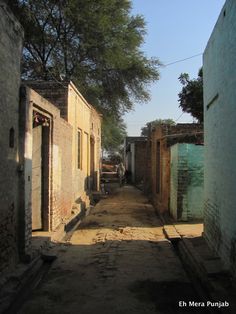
x,y
128,176
121,173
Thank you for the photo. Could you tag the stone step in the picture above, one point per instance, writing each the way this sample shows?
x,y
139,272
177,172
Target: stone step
x,y
171,233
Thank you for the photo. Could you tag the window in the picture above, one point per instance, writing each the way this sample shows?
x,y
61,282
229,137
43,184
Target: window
x,y
86,152
79,150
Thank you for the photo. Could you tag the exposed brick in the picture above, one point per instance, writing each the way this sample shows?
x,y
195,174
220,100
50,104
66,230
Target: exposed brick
x,y
11,38
140,161
158,181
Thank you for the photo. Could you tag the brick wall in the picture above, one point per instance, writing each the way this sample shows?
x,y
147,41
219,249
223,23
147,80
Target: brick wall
x,y
58,190
55,93
95,130
148,169
140,161
160,172
135,157
62,172
25,178
77,112
165,136
219,115
11,37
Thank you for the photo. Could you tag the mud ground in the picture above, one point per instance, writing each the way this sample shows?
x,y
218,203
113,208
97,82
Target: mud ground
x,y
117,261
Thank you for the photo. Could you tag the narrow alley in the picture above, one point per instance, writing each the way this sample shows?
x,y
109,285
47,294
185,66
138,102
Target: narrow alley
x,y
109,206
117,261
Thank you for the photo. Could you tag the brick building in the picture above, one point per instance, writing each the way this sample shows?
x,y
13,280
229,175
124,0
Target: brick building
x,y
158,159
11,38
95,149
86,133
135,158
55,157
219,63
45,159
50,151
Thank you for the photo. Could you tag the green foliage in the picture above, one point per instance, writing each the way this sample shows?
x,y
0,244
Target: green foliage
x,y
113,134
94,43
191,95
151,124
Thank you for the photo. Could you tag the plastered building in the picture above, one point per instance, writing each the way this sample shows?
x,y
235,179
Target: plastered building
x,y
219,64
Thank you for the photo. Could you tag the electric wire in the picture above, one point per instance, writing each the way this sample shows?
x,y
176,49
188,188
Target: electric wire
x,y
181,60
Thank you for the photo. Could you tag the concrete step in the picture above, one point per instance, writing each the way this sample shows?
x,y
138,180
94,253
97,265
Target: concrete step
x,y
171,233
209,271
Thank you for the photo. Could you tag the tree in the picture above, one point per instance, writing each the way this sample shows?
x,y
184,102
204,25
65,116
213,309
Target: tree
x,y
191,96
146,128
113,134
94,43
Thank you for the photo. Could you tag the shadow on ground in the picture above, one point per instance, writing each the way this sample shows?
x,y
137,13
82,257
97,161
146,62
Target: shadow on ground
x,y
118,261
114,277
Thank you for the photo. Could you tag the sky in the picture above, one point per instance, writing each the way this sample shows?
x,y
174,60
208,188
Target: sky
x,y
176,29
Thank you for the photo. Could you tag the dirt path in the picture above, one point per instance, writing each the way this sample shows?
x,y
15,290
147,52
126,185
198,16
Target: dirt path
x,y
117,261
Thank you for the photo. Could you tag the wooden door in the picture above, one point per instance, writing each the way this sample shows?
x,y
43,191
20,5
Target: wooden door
x,y
37,179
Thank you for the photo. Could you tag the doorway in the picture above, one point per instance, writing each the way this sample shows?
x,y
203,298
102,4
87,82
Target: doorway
x,y
40,173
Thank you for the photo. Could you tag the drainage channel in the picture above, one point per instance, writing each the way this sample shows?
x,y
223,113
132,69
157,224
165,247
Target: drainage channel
x,y
202,292
28,286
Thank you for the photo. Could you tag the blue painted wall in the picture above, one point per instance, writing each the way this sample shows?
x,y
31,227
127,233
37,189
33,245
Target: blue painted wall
x,y
219,68
187,181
